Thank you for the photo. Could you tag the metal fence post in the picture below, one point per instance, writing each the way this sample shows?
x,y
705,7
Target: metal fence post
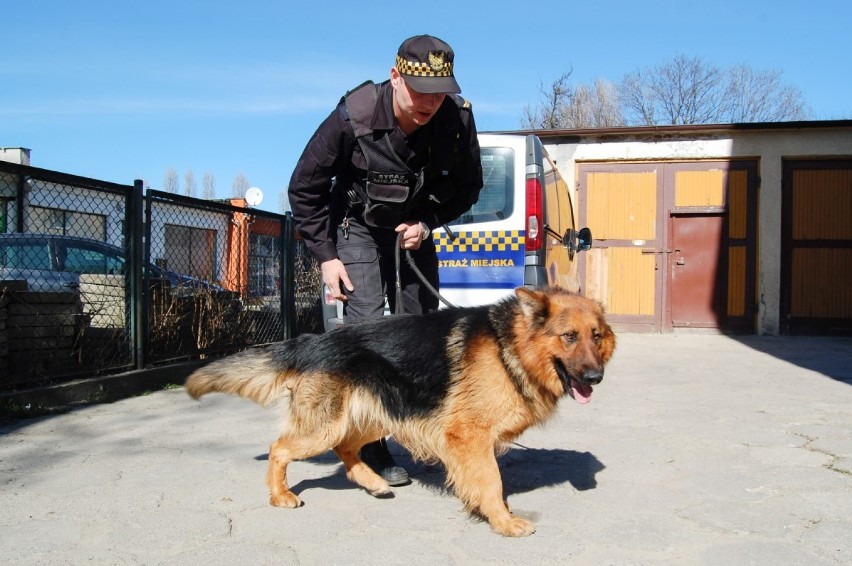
x,y
288,273
146,280
133,248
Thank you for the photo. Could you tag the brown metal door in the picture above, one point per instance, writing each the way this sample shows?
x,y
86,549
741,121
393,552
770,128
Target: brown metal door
x,y
816,294
696,298
712,239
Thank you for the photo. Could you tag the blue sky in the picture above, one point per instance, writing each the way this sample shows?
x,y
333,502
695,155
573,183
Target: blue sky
x,y
119,90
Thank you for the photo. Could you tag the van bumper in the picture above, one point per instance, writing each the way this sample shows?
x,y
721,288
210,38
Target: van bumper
x,y
535,276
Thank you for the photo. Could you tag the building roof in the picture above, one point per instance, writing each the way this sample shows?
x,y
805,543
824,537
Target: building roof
x,y
682,130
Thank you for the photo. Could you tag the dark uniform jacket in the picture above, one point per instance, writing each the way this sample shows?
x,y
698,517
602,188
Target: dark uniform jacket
x,y
445,152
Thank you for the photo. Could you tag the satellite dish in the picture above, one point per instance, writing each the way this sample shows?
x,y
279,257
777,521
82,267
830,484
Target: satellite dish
x,y
254,196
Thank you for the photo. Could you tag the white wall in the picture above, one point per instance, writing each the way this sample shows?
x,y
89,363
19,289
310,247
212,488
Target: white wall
x,y
19,155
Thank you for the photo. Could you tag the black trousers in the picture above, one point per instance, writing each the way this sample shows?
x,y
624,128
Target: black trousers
x,y
368,255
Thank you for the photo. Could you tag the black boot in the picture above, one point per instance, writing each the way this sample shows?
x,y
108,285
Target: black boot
x,y
378,457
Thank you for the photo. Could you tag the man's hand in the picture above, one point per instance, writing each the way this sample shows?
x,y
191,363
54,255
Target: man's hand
x,y
412,234
333,272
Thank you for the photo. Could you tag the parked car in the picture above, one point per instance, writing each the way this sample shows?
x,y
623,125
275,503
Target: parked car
x,y
52,263
521,232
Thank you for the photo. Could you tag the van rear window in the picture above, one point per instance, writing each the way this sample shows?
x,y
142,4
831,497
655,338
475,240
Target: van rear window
x,y
496,200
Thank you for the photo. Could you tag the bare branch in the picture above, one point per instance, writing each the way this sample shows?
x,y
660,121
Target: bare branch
x,y
189,183
597,106
688,90
547,114
239,186
760,96
170,182
208,183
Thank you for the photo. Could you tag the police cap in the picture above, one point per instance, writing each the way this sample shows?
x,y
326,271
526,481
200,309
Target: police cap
x,y
426,64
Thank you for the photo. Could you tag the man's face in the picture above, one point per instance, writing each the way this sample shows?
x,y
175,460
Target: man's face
x,y
411,108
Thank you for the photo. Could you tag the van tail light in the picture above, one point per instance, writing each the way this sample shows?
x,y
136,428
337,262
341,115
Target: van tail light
x,y
534,221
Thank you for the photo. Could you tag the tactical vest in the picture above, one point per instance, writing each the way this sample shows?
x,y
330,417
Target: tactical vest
x,y
391,190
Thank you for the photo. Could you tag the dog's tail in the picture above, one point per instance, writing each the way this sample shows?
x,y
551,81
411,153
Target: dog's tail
x,y
250,374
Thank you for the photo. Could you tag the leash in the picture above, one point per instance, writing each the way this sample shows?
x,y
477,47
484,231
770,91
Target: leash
x,y
416,271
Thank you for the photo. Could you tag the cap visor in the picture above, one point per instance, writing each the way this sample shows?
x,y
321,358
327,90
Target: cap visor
x,y
432,85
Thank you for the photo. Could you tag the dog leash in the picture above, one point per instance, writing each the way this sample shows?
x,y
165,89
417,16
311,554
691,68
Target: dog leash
x,y
416,271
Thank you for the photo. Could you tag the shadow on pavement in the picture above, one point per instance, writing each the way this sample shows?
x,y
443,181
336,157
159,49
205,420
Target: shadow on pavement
x,y
522,469
830,356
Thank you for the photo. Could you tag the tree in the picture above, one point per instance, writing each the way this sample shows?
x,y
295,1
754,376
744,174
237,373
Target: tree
x,y
682,90
547,115
687,90
760,96
189,183
170,182
208,186
564,106
239,186
598,106
283,202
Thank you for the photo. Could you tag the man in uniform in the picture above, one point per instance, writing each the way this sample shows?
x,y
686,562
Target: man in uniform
x,y
390,163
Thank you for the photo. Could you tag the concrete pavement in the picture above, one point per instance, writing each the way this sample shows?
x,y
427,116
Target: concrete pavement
x,y
695,449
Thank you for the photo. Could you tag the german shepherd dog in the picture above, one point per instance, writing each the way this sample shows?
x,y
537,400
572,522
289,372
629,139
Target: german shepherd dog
x,y
453,386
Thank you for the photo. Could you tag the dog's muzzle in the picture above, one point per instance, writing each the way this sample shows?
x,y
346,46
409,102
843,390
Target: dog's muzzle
x,y
578,385
592,376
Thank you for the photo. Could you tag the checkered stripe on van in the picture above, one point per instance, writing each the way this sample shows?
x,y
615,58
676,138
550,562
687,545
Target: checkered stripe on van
x,y
500,240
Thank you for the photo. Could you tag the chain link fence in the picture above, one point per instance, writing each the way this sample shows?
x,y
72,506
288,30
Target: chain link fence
x,y
97,278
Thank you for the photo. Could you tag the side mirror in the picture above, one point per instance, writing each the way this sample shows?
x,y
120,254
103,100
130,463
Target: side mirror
x,y
584,240
577,241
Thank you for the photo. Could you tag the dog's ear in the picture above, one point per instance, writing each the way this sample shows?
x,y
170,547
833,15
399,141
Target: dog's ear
x,y
534,305
607,344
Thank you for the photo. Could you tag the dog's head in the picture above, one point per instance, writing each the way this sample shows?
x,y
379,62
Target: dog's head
x,y
567,340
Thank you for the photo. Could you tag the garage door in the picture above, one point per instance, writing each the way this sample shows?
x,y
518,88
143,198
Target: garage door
x,y
675,243
816,294
620,204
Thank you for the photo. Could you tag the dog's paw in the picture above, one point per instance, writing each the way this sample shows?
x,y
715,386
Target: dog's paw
x,y
287,499
369,480
381,491
514,527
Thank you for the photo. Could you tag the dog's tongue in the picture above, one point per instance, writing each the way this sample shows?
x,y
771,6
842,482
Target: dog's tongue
x,y
582,392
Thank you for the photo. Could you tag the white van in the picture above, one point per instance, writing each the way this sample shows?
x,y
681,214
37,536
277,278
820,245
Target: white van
x,y
521,232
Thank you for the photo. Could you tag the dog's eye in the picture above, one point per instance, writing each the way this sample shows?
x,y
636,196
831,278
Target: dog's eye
x,y
597,337
569,337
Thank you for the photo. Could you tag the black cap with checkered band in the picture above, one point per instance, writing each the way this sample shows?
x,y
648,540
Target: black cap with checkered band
x,y
426,64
